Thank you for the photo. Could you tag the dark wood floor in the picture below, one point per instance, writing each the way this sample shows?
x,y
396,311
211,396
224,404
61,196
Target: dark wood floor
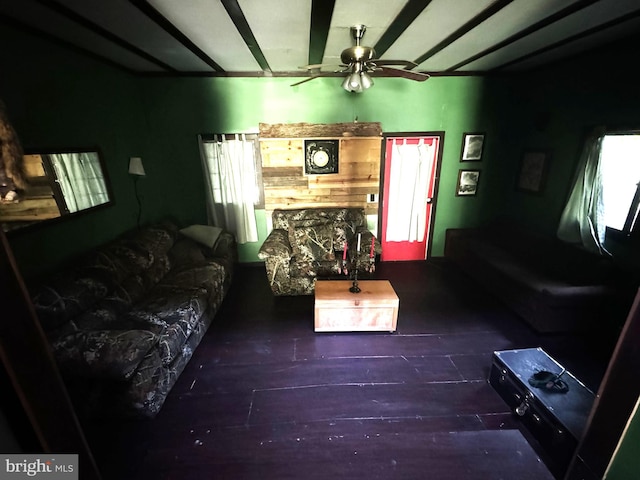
x,y
265,397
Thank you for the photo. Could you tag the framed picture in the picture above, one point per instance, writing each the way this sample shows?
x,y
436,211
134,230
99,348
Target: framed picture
x,y
533,171
472,145
467,183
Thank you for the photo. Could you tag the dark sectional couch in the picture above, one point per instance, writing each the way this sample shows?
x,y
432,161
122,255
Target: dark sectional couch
x,y
552,285
124,320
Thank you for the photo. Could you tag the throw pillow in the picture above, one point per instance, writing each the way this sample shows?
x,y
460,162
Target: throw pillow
x,y
204,234
312,243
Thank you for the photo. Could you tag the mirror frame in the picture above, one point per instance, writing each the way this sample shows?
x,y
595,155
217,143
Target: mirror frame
x,y
29,227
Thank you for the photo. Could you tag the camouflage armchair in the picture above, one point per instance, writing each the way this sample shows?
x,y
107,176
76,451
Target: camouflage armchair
x,y
307,244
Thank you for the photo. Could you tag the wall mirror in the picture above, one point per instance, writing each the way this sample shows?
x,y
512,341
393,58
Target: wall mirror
x,y
61,183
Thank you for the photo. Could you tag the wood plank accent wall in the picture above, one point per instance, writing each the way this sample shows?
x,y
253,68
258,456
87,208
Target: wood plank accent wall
x,y
287,187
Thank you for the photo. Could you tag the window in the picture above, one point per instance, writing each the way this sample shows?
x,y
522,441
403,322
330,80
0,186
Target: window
x,y
620,170
207,143
232,170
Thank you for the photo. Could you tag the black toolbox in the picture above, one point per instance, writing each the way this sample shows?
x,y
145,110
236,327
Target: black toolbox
x,y
554,419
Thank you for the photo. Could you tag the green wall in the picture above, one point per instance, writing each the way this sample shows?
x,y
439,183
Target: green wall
x,y
179,109
58,98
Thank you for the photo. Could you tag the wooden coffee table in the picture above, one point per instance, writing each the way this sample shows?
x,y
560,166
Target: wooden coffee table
x,y
336,309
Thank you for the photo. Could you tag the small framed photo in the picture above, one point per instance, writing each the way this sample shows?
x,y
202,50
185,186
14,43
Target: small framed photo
x,y
467,183
472,146
533,171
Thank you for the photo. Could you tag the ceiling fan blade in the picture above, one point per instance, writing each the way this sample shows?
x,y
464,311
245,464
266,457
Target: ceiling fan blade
x,y
397,72
404,63
318,66
305,80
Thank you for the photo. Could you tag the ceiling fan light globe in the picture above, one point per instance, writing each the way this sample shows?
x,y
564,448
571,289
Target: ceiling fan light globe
x,y
365,80
354,83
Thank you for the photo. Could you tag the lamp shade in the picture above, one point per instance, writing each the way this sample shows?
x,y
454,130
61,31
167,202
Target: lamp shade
x,y
136,167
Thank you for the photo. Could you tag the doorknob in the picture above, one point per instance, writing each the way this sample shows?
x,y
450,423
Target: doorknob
x,y
429,200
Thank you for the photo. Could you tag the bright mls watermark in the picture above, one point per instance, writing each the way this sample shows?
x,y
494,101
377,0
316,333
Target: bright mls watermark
x,y
51,467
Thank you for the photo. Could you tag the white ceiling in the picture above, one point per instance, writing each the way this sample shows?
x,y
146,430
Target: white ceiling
x,y
276,37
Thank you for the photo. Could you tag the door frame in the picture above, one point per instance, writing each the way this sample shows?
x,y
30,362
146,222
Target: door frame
x,y
436,180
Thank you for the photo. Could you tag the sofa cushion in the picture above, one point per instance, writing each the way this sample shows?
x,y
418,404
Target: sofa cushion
x,y
105,354
314,269
155,240
132,259
104,316
347,223
186,252
312,242
209,277
66,296
176,311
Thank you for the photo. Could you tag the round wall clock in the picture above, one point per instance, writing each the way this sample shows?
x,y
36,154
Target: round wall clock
x,y
321,156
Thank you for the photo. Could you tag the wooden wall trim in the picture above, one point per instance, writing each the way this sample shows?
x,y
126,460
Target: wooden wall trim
x,y
320,130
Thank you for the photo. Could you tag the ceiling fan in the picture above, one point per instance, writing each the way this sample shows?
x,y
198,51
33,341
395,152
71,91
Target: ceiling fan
x,y
359,63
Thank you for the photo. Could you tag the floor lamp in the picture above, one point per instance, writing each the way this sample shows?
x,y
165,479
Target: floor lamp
x,y
136,169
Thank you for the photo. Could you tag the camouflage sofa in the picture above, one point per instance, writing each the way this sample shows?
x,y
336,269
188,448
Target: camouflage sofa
x,y
307,244
124,319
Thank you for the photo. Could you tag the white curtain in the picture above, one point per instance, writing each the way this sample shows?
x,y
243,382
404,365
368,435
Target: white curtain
x,y
80,178
582,219
411,166
230,172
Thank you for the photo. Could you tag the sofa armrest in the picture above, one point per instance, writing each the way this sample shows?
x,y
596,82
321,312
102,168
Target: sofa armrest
x,y
276,245
225,247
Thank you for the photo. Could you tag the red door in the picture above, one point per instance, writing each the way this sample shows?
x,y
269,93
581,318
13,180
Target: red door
x,y
410,167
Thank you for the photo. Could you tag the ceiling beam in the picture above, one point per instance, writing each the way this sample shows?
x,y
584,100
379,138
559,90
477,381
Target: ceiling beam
x,y
95,28
321,13
407,15
145,7
48,37
559,15
239,20
586,33
470,25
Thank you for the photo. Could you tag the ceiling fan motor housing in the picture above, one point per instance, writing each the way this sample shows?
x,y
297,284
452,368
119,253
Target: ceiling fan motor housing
x,y
357,54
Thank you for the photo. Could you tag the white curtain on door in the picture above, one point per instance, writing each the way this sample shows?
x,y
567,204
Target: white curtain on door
x,y
230,167
80,178
411,166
